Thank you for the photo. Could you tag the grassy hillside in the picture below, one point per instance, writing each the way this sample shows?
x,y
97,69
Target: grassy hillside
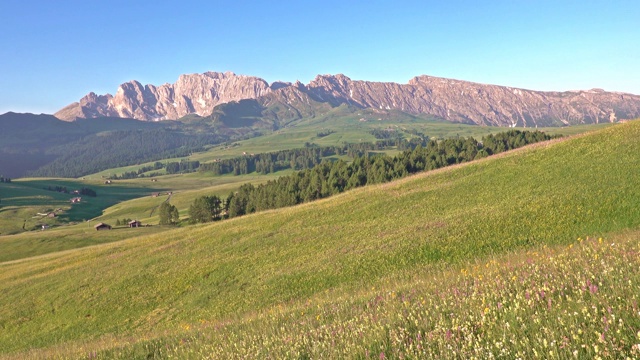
x,y
318,254
574,301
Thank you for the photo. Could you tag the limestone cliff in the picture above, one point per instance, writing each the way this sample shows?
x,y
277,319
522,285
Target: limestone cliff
x,y
453,100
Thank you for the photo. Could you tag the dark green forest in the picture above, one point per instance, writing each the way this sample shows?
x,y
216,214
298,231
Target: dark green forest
x,y
121,148
42,145
303,158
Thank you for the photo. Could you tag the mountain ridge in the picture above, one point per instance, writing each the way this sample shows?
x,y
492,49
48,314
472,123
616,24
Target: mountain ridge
x,y
449,99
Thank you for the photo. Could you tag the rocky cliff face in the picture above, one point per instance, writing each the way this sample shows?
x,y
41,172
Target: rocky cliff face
x,y
468,102
453,100
194,93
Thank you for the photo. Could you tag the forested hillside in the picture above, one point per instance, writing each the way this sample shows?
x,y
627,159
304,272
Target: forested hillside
x,y
330,178
41,145
119,148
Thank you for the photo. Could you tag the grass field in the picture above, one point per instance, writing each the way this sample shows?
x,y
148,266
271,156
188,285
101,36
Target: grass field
x,y
573,301
296,278
188,188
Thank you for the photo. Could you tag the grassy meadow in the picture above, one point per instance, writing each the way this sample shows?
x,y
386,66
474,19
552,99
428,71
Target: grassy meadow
x,y
478,260
576,301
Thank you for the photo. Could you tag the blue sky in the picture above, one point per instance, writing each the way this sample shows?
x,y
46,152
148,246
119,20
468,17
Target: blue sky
x,y
54,52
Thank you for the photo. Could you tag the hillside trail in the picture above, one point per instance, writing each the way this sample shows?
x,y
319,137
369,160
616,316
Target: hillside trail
x,y
166,200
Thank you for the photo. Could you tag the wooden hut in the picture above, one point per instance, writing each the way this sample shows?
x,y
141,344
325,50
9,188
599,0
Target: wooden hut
x,y
134,223
102,226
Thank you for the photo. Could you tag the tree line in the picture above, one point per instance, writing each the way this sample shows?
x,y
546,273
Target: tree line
x,y
174,167
184,166
265,163
329,178
300,159
139,173
63,189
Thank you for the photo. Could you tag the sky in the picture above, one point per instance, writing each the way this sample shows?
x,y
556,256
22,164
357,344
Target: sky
x,y
54,52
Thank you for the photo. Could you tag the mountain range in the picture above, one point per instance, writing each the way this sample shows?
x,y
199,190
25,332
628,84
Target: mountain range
x,y
447,99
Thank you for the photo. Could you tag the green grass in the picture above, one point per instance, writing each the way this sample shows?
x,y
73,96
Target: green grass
x,y
21,208
36,243
89,207
189,187
158,286
575,301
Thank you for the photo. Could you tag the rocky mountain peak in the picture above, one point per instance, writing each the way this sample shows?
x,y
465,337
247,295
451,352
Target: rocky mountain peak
x,y
448,99
279,85
191,93
330,81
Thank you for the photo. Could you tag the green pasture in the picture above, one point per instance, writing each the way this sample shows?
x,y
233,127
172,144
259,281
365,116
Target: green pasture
x,y
31,192
132,199
56,239
542,302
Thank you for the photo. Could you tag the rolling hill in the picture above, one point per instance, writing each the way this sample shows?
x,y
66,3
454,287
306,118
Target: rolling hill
x,y
303,279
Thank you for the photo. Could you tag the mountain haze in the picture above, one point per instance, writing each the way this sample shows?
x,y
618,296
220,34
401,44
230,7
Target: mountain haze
x,y
448,99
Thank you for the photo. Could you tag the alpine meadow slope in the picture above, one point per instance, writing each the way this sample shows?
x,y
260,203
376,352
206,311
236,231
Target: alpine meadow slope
x,y
149,293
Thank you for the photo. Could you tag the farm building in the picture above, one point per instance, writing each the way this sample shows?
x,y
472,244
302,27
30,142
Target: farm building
x,y
134,223
102,226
